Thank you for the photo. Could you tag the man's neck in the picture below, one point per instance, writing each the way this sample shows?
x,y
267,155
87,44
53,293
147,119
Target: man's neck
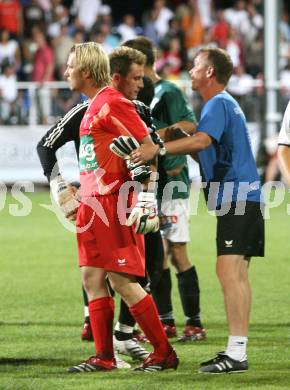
x,y
91,91
151,74
209,92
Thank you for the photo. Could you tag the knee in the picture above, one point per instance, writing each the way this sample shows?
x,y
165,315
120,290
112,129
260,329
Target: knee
x,y
87,283
179,258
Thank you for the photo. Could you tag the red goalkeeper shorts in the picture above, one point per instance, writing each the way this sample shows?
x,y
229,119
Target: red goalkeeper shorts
x,y
104,241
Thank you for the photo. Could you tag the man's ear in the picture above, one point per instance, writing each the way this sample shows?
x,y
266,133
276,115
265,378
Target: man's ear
x,y
210,72
87,74
116,78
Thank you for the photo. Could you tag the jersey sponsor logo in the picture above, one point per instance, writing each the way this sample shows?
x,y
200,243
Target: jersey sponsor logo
x,y
121,262
229,244
87,155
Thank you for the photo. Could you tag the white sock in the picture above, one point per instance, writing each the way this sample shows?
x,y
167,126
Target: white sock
x,y
86,311
237,348
123,328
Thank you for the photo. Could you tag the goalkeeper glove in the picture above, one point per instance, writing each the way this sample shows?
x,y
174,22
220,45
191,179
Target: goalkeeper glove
x,y
64,195
122,147
144,214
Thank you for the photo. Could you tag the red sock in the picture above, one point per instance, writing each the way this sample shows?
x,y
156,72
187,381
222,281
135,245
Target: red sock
x,y
101,318
145,313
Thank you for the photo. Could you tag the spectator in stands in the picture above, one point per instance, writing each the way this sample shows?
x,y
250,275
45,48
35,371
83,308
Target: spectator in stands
x,y
205,11
237,15
87,12
9,49
241,85
59,18
163,15
220,29
251,26
43,62
173,32
254,55
11,17
8,93
33,15
234,48
150,30
192,26
284,52
172,58
128,29
43,71
106,38
61,45
285,26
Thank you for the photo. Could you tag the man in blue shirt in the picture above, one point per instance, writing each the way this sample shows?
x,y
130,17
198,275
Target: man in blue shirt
x,y
232,189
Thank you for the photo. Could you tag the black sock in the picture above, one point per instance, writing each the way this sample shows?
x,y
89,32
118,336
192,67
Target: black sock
x,y
188,287
125,316
162,297
121,336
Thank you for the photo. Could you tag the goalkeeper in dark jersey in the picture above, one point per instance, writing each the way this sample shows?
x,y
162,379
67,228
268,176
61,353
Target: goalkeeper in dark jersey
x,y
129,83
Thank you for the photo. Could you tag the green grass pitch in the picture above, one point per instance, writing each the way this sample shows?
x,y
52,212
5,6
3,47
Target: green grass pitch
x,y
41,309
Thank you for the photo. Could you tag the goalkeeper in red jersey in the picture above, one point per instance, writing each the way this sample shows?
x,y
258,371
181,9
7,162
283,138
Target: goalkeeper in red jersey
x,y
102,176
126,78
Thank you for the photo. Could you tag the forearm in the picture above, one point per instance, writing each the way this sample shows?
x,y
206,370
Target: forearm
x,y
284,161
188,145
48,160
188,127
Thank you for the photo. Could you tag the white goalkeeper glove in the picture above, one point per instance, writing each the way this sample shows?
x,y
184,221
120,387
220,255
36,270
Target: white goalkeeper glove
x,y
64,195
122,147
144,214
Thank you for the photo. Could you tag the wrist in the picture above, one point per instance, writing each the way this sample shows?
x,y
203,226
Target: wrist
x,y
161,150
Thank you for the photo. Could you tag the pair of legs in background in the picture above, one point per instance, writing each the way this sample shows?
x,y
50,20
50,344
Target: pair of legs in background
x,y
175,231
121,260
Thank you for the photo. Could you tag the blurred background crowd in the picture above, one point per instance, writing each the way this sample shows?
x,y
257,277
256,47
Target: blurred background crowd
x,y
36,35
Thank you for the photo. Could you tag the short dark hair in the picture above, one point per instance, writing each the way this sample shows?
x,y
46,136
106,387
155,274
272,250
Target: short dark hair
x,y
123,57
144,45
146,94
221,61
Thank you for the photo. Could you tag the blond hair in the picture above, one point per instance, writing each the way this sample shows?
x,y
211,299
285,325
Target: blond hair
x,y
91,57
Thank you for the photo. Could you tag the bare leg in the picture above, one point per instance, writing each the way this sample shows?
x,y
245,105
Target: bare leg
x,y
232,271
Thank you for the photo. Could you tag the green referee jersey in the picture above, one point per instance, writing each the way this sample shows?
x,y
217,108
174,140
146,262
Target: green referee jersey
x,y
168,107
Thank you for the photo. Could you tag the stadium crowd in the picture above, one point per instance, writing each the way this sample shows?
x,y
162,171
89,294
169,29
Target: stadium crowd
x,y
36,35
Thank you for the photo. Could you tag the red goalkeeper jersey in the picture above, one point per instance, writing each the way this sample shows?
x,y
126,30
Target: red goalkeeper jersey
x,y
109,115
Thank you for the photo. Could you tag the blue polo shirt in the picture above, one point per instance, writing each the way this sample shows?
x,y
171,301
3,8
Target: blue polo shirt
x,y
227,166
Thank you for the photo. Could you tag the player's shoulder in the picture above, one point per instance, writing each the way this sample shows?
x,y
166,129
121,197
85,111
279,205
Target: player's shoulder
x,y
117,99
167,86
77,109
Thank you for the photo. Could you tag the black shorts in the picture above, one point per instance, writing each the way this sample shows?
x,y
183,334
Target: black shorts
x,y
241,234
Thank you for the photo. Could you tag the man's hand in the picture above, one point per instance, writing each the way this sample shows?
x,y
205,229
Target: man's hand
x,y
65,195
144,153
122,147
144,214
173,133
